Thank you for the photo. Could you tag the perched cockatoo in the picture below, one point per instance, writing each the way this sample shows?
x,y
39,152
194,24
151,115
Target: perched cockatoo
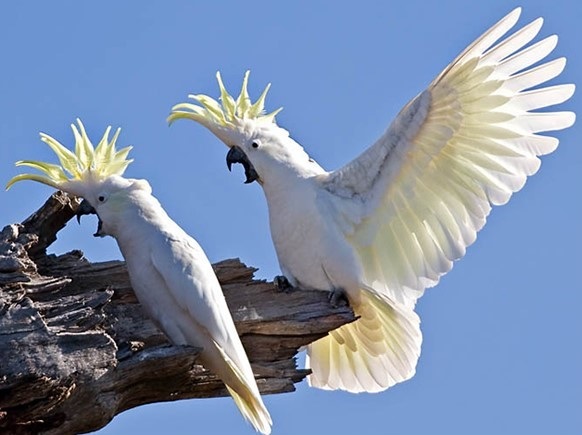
x,y
390,223
169,271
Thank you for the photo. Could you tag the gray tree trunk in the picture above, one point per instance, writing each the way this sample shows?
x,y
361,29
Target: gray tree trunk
x,y
76,348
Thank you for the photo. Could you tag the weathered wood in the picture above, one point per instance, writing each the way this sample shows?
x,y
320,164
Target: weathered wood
x,y
76,348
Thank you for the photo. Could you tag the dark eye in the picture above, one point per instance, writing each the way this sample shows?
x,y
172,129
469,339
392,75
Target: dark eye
x,y
255,144
101,198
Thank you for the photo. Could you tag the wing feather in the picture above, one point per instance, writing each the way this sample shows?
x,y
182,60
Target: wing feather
x,y
535,76
539,98
526,57
192,283
466,143
512,43
191,280
386,344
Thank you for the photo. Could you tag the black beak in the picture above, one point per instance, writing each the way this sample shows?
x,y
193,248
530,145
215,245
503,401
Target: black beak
x,y
236,155
86,208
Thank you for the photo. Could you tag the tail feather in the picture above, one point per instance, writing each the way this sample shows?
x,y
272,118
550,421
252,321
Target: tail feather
x,y
371,354
246,396
253,410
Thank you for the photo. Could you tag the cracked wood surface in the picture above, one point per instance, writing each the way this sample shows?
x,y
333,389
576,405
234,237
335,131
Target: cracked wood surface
x,y
76,348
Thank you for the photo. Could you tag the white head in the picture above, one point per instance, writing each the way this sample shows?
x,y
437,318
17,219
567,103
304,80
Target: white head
x,y
254,138
93,173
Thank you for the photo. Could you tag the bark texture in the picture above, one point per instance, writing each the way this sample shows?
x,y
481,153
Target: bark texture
x,y
76,348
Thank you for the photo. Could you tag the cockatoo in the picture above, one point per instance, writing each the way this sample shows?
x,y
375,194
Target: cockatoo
x,y
389,224
169,272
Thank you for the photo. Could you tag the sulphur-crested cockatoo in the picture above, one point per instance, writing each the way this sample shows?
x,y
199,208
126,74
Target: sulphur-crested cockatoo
x,y
169,271
390,223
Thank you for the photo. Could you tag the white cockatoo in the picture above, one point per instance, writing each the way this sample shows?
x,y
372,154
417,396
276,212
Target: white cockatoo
x,y
169,271
389,224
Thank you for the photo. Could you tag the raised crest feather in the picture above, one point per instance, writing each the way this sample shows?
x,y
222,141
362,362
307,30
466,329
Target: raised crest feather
x,y
87,162
226,112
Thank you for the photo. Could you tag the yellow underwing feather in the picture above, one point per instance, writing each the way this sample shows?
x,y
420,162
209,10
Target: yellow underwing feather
x,y
463,145
472,143
371,354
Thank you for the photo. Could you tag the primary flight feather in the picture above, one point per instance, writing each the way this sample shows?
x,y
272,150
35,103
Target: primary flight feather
x,y
390,223
169,272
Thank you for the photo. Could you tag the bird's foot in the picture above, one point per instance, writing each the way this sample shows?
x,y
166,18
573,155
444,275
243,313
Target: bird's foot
x,y
338,297
282,283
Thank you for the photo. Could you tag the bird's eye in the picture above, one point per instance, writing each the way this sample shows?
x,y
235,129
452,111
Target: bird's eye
x,y
101,198
255,144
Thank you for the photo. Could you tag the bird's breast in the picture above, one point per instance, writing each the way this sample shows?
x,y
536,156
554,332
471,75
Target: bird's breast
x,y
309,245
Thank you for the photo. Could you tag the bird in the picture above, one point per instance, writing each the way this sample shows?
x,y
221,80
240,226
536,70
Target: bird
x,y
390,223
168,270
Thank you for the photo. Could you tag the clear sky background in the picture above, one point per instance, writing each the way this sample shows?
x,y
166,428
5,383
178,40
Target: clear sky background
x,y
502,349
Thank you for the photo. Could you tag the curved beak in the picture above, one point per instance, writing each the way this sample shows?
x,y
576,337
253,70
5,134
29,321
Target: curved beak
x,y
86,208
237,155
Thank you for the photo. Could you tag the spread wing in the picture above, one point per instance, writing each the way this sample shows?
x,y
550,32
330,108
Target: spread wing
x,y
415,200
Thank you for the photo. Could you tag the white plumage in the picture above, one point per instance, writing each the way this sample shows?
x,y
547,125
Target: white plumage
x,y
390,223
169,271
177,287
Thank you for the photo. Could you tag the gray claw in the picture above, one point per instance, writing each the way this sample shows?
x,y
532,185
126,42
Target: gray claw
x,y
338,297
282,283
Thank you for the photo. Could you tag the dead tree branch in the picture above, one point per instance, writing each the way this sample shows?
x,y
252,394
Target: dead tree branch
x,y
76,348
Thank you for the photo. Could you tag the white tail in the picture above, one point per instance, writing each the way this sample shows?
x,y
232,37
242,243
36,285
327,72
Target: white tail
x,y
245,394
371,354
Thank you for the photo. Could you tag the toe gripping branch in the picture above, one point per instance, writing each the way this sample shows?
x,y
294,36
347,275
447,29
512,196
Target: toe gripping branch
x,y
282,283
338,298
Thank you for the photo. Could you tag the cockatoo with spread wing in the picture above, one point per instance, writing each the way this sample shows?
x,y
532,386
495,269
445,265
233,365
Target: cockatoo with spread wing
x,y
389,224
169,271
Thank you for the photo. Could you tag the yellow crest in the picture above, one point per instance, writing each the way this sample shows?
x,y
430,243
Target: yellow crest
x,y
87,162
224,114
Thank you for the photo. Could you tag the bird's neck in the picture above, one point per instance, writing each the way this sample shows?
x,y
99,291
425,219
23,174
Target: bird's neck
x,y
290,169
287,185
139,219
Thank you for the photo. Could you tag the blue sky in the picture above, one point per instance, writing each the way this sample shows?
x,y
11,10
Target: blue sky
x,y
502,347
